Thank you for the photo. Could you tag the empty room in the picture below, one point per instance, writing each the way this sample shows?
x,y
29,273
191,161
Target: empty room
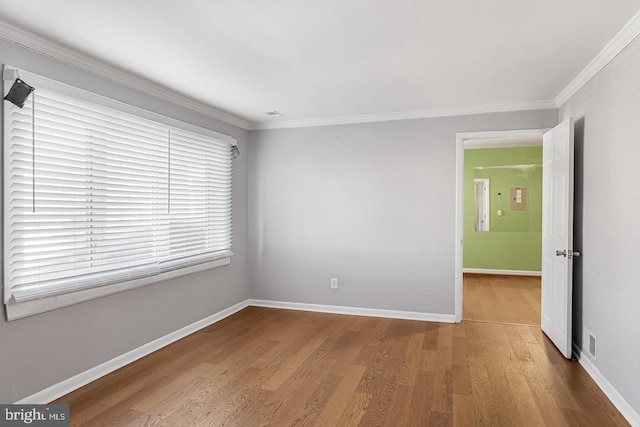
x,y
410,213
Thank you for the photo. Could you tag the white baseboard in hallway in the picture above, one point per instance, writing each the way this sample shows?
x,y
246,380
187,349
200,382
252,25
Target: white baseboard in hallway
x,y
627,411
502,272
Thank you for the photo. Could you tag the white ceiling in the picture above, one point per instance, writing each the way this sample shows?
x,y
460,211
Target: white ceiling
x,y
337,58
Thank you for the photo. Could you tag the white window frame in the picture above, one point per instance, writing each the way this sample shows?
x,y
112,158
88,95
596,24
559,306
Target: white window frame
x,y
16,310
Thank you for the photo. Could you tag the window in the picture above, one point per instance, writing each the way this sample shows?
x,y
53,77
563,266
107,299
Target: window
x,y
96,198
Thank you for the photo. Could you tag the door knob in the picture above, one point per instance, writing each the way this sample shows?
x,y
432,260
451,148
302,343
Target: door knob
x,y
564,253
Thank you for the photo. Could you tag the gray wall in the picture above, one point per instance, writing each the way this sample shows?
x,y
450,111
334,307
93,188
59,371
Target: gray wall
x,y
370,204
42,350
607,290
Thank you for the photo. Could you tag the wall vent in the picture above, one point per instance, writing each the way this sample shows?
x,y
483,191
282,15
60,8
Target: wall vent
x,y
592,346
590,341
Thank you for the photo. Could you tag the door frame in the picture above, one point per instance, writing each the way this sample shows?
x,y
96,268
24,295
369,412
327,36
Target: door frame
x,y
461,139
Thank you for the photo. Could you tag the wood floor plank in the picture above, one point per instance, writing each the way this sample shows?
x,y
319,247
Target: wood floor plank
x,y
461,380
501,389
120,410
365,355
484,405
413,355
430,339
285,373
518,340
307,414
378,332
427,360
441,419
596,407
522,397
238,362
398,413
337,403
463,411
442,400
547,406
382,394
349,354
286,404
420,408
82,416
459,349
269,367
357,406
561,394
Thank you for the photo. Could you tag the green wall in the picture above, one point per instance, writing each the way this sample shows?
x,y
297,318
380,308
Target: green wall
x,y
514,241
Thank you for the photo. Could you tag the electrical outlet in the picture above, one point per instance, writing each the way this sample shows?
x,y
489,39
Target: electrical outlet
x,y
334,283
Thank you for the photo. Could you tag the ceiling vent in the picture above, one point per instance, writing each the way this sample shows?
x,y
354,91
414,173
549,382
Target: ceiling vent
x,y
274,113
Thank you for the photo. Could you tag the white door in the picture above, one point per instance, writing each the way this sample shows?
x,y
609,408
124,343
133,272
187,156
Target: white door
x,y
557,235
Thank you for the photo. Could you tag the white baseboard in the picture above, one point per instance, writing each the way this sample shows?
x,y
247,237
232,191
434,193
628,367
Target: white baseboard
x,y
64,387
502,272
67,386
609,390
355,311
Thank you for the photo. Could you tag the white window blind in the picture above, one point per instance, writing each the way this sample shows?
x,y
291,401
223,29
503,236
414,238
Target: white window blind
x,y
96,196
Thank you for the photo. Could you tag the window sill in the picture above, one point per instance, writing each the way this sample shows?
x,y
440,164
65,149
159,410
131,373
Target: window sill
x,y
28,308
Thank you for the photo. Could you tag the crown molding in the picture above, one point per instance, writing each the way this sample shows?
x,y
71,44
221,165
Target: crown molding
x,y
84,62
45,47
406,115
626,35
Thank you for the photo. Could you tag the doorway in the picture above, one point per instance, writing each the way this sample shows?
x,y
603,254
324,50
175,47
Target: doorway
x,y
493,292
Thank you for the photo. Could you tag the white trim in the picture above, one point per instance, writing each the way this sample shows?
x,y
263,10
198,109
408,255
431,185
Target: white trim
x,y
481,144
459,225
355,311
406,115
505,135
45,47
17,310
502,272
626,35
67,386
627,411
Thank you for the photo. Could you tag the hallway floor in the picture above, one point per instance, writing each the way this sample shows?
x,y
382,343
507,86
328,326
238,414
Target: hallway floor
x,y
502,299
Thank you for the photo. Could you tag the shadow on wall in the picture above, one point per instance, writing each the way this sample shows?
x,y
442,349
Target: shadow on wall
x,y
578,203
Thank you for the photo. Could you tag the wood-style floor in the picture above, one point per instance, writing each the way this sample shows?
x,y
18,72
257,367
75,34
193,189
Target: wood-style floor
x,y
502,299
283,368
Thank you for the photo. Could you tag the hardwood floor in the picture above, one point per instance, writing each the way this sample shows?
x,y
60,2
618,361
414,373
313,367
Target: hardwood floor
x,y
502,299
282,368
